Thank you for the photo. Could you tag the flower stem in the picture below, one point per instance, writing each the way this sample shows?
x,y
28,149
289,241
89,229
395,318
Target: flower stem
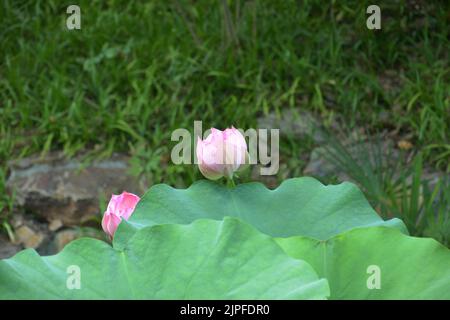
x,y
230,183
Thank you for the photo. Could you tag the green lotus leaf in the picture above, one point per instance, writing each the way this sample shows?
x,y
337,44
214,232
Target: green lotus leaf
x,y
204,260
299,206
408,267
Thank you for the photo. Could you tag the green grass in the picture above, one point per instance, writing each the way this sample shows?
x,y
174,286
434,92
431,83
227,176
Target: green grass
x,y
138,70
395,185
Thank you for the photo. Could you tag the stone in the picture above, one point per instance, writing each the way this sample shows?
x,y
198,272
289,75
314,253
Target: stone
x,y
28,237
270,181
29,232
8,249
55,225
298,124
17,220
64,237
55,188
323,162
405,145
320,166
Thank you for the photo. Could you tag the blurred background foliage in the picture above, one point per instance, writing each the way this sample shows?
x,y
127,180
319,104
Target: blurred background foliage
x,y
138,70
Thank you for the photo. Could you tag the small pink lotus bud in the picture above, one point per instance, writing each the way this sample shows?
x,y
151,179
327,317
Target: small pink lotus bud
x,y
222,153
120,206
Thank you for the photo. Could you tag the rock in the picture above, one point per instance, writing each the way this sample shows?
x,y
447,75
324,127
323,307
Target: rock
x,y
320,166
55,188
405,145
270,181
29,232
55,225
290,123
326,161
8,249
17,220
64,237
28,237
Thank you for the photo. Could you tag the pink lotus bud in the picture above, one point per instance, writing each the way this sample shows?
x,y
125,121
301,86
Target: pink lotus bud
x,y
222,153
120,206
